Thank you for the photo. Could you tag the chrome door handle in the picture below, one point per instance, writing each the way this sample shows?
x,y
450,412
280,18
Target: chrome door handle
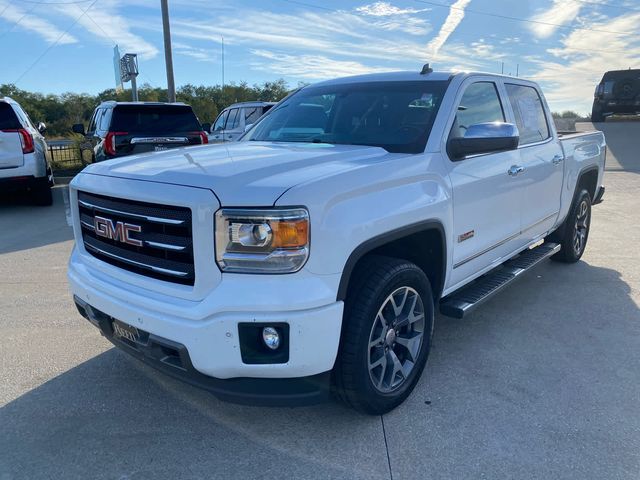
x,y
557,159
515,170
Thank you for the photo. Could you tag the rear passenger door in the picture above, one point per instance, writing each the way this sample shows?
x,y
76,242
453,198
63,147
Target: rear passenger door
x,y
233,128
486,200
542,158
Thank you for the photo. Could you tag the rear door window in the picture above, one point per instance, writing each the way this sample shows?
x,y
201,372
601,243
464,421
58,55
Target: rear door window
x,y
103,121
8,118
234,119
529,113
156,119
480,103
252,114
92,122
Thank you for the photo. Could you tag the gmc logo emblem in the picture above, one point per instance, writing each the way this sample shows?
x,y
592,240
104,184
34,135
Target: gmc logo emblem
x,y
118,231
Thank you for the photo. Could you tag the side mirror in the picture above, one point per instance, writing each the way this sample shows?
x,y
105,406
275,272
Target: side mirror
x,y
247,127
78,128
42,128
484,138
206,127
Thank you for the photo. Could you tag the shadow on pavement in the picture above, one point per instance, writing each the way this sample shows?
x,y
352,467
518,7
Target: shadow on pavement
x,y
24,226
542,381
112,417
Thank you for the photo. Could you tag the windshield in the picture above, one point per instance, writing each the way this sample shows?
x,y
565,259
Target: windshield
x,y
158,119
396,116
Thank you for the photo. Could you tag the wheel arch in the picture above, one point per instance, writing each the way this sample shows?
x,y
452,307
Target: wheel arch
x,y
588,178
401,243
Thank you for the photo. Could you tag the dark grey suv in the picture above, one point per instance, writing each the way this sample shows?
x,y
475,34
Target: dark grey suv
x,y
117,129
617,93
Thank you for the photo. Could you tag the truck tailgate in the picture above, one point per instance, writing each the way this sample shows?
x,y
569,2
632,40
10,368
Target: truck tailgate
x,y
10,149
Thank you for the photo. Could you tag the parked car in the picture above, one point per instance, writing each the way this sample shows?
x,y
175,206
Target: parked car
x,y
25,163
312,255
618,93
117,129
233,121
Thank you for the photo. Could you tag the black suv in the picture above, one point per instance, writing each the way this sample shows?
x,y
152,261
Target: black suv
x,y
117,129
617,93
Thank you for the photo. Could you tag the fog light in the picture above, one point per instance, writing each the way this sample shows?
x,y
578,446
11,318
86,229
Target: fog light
x,y
271,338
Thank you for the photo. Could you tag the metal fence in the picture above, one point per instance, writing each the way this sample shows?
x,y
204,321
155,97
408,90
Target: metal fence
x,y
65,155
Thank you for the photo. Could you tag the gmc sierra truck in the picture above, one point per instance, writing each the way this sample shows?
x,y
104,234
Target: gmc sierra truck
x,y
311,257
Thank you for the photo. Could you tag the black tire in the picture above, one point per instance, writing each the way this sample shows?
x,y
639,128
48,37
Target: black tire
x,y
370,289
42,195
574,229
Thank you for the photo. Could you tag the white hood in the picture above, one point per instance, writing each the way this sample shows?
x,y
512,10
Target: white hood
x,y
242,173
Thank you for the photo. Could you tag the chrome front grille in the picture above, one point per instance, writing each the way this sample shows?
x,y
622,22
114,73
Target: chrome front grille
x,y
158,241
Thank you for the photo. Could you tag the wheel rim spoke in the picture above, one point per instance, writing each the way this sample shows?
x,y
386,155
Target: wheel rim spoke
x,y
396,339
411,344
581,226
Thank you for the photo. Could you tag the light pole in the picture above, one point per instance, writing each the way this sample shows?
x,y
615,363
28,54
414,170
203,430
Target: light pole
x,y
168,58
222,64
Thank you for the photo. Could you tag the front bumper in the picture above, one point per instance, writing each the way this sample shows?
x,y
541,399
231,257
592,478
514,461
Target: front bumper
x,y
207,330
173,359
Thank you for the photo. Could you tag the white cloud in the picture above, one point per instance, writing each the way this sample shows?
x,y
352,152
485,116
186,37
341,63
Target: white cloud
x,y
200,54
570,76
310,67
318,45
562,12
334,34
456,14
105,23
384,9
28,20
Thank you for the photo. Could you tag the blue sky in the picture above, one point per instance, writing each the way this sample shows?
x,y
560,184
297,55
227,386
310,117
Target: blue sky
x,y
565,44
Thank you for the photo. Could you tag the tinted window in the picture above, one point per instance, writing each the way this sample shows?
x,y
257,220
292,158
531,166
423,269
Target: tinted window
x,y
396,116
529,112
252,114
162,119
92,122
8,119
103,120
480,103
220,121
234,119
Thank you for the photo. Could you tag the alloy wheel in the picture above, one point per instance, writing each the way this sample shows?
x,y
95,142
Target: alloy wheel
x,y
396,339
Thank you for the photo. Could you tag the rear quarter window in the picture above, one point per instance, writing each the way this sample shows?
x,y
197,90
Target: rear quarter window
x,y
8,118
164,119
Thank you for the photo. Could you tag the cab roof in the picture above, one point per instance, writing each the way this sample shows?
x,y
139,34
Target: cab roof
x,y
410,76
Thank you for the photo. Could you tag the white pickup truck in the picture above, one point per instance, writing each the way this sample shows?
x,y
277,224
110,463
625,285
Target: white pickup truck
x,y
312,256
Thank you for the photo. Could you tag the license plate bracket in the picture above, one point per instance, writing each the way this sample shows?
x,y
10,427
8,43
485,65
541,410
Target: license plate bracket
x,y
122,331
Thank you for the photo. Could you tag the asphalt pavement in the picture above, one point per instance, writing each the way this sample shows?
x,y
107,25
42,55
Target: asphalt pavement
x,y
543,381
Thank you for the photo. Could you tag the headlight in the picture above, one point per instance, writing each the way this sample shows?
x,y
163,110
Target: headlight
x,y
262,241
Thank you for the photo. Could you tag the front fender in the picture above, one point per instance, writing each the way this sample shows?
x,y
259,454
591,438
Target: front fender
x,y
350,208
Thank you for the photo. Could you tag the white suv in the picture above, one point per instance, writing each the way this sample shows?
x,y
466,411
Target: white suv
x,y
236,119
24,156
